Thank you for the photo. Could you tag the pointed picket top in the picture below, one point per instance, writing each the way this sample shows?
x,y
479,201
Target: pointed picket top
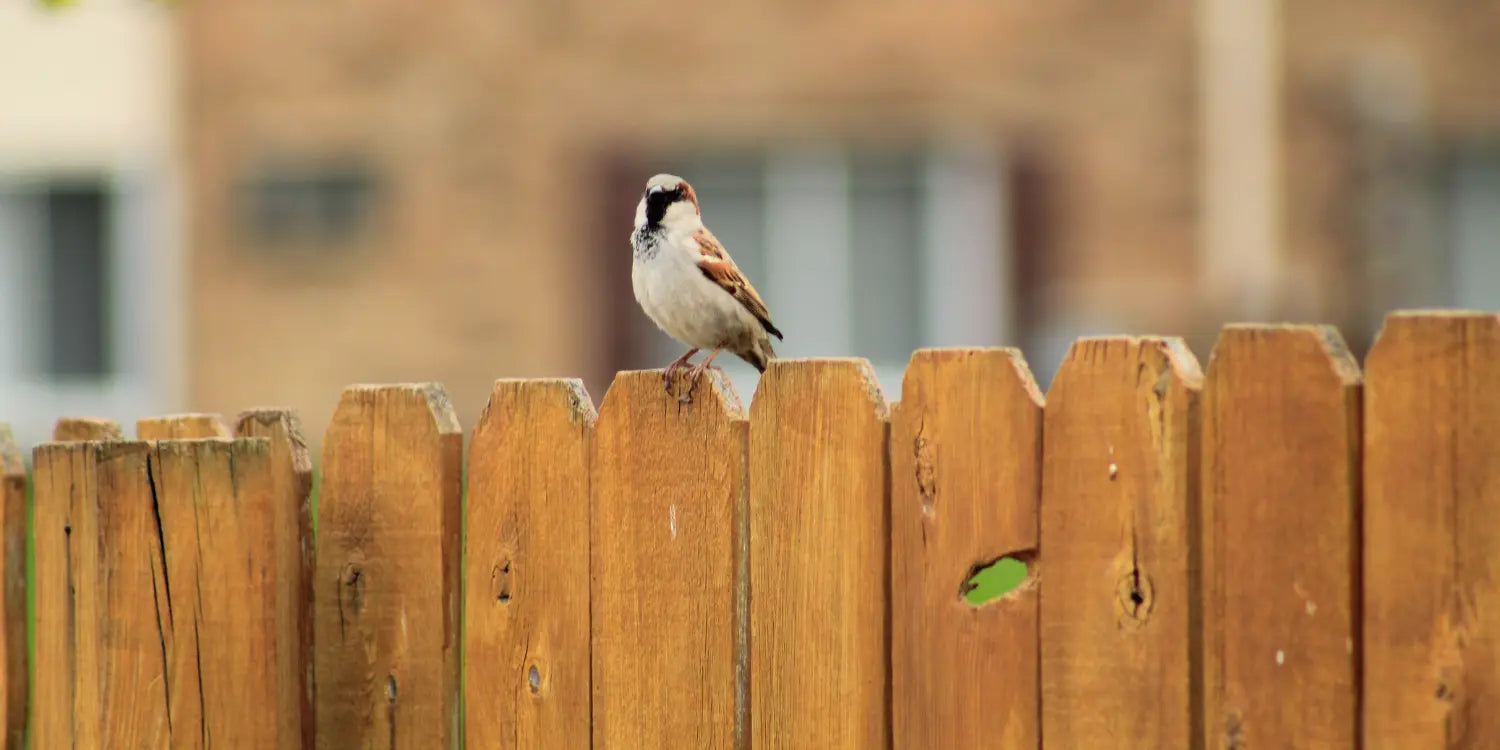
x,y
567,392
181,427
713,388
71,429
526,558
1019,375
1235,339
1431,531
432,394
277,424
815,373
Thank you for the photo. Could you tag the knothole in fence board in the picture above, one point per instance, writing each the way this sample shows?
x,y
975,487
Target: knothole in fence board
x,y
965,454
667,565
181,427
819,557
13,679
386,593
526,599
291,495
1120,493
1280,525
72,429
214,526
1432,532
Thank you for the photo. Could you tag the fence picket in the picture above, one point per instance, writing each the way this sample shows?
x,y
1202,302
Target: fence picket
x,y
666,562
1280,539
291,508
387,588
965,482
1432,533
819,557
1120,491
14,678
526,599
217,619
101,674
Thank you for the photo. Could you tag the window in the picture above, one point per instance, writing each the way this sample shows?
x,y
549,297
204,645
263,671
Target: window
x,y
322,206
55,252
869,253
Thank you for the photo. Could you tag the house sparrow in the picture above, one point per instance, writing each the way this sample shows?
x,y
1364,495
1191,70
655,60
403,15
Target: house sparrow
x,y
689,286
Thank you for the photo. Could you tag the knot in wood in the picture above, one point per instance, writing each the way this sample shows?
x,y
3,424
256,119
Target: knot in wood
x,y
1134,597
352,588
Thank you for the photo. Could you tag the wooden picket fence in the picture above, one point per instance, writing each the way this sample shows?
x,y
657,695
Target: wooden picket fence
x,y
1284,552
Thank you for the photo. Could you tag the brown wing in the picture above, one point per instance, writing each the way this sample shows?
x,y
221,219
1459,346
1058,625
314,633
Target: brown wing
x,y
720,269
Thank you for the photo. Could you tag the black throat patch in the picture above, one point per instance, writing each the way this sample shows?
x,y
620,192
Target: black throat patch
x,y
657,203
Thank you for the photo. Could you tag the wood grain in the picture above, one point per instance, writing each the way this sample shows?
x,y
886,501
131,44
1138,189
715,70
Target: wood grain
x,y
217,619
1432,533
101,675
1121,483
1280,524
181,427
64,476
69,429
291,508
819,557
666,565
965,482
14,677
386,618
526,599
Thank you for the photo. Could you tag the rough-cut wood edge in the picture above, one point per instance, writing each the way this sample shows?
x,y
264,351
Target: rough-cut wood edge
x,y
906,503
446,427
297,604
582,413
722,389
725,398
873,391
71,429
270,416
444,419
1346,373
188,426
1447,662
13,547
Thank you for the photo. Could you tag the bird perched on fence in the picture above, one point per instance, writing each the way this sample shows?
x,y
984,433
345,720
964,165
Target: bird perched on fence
x,y
689,286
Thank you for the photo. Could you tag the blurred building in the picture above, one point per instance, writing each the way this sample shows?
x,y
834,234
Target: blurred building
x,y
392,191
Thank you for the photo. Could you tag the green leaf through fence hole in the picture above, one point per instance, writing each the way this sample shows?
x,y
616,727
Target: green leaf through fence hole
x,y
994,581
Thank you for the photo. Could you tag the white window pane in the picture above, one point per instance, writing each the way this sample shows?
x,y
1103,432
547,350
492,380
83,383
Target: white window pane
x,y
1475,249
967,271
808,281
885,252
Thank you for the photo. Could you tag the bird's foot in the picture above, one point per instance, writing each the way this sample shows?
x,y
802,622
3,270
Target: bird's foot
x,y
680,362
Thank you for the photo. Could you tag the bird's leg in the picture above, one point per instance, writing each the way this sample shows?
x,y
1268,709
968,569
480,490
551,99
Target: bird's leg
x,y
697,372
666,379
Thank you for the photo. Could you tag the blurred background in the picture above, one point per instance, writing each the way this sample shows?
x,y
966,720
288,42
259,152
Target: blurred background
x,y
209,205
